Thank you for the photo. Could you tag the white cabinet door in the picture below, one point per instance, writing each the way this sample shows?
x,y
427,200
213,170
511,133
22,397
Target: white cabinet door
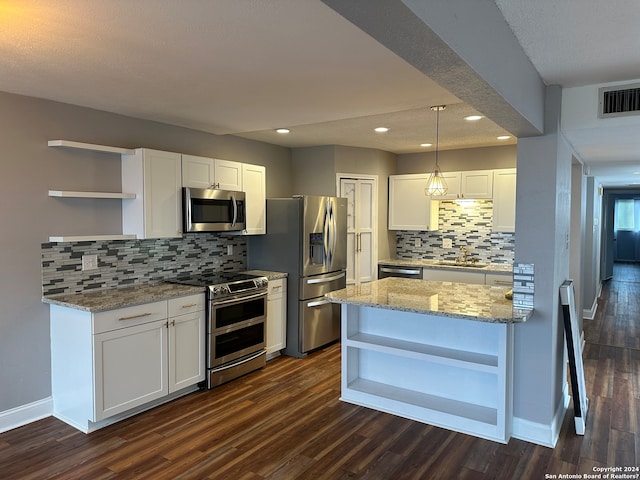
x,y
454,184
409,207
186,350
197,172
477,184
276,316
228,175
155,177
255,189
504,200
443,275
204,172
130,367
362,201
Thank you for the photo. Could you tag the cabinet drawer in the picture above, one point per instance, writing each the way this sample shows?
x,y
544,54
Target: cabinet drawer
x,y
129,316
182,305
277,287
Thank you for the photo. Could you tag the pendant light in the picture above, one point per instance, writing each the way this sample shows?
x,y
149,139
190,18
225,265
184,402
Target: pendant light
x,y
436,184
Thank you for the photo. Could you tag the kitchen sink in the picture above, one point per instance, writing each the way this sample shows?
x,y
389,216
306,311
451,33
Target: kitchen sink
x,y
461,264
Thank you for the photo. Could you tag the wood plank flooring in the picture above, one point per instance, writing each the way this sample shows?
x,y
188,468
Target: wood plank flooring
x,y
286,422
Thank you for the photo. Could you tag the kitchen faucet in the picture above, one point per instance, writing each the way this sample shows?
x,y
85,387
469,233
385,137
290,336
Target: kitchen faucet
x,y
465,259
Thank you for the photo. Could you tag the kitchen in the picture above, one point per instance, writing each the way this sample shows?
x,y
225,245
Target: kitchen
x,y
35,122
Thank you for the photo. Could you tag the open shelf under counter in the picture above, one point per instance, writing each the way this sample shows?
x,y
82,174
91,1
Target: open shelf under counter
x,y
450,372
464,410
432,353
91,147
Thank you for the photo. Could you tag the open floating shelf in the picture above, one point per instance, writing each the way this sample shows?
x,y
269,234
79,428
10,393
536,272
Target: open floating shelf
x,y
91,147
90,238
72,194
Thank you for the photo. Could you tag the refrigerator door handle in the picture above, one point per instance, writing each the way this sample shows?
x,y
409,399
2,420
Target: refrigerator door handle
x,y
318,303
325,279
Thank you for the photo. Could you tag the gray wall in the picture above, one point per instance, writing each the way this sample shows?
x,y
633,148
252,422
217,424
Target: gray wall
x,y
543,224
484,158
315,169
30,168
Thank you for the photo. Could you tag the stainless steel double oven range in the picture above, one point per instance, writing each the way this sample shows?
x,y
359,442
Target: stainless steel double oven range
x,y
236,323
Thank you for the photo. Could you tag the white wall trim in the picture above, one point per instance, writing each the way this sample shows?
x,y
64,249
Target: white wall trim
x,y
590,314
540,433
24,414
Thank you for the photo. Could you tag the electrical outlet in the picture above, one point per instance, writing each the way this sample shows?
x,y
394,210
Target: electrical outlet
x,y
447,243
89,262
229,249
417,242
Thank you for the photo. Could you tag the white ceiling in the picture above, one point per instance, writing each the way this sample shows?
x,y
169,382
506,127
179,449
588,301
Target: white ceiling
x,y
246,67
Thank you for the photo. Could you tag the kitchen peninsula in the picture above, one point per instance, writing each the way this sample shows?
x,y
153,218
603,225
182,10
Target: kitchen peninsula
x,y
437,352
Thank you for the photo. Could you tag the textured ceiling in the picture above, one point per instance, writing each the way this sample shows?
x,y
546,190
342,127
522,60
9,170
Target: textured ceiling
x,y
248,66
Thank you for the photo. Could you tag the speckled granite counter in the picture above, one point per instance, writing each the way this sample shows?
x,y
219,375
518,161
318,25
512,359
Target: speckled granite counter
x,y
460,300
112,298
408,262
269,274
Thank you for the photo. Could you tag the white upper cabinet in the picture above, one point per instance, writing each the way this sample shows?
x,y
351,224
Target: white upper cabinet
x,y
204,172
476,184
155,179
409,207
255,188
504,200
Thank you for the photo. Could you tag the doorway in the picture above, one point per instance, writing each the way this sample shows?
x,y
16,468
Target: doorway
x,y
361,192
620,229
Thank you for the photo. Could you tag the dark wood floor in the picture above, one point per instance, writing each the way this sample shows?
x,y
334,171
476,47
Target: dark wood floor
x,y
286,422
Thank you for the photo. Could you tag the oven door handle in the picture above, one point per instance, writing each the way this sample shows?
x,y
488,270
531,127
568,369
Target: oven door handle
x,y
326,279
241,299
235,364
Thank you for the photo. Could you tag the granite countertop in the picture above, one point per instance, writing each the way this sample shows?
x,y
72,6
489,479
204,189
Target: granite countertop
x,y
421,262
111,298
269,274
447,299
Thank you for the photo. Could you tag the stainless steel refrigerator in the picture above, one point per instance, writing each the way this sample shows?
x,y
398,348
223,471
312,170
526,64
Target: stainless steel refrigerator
x,y
307,238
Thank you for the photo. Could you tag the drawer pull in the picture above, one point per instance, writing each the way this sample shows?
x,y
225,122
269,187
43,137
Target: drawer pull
x,y
135,316
190,305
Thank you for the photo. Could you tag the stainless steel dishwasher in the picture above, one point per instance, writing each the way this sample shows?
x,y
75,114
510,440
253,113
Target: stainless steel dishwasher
x,y
402,271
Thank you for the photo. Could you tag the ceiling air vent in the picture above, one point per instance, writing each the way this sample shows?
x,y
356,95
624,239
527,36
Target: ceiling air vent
x,y
619,101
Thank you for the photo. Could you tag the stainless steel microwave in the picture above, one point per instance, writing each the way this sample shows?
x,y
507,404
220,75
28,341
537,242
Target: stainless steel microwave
x,y
211,210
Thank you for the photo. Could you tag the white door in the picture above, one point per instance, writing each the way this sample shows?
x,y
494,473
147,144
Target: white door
x,y
254,185
197,172
162,199
228,175
130,367
362,205
186,350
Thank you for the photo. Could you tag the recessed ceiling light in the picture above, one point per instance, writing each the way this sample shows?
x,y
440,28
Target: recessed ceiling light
x,y
381,129
426,144
283,130
504,137
636,173
473,118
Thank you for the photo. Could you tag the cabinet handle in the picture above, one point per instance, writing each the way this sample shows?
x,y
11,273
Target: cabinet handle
x,y
135,316
190,305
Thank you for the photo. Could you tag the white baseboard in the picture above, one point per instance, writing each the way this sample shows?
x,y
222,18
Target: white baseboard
x,y
24,414
539,433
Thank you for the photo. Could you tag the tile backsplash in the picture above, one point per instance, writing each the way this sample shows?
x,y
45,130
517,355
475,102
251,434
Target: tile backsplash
x,y
124,262
463,225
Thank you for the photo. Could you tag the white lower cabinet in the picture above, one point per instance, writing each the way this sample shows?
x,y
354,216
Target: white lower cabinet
x,y
442,275
449,372
276,317
109,365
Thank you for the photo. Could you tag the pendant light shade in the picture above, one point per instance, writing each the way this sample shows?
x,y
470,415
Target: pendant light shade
x,y
436,184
